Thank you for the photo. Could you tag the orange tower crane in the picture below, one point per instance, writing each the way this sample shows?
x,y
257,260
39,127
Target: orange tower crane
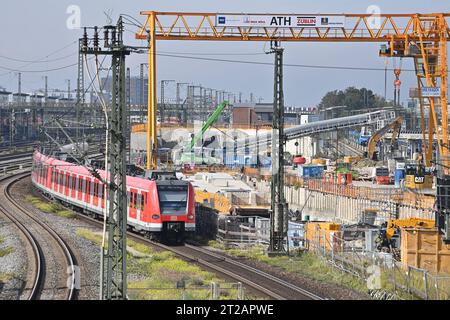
x,y
420,36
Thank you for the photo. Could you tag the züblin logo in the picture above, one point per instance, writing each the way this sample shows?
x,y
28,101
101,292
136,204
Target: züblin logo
x,y
222,20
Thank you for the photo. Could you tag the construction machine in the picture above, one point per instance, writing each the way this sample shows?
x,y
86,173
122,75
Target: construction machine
x,y
375,138
189,153
389,237
417,175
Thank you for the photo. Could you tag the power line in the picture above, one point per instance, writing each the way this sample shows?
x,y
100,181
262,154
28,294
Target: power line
x,y
286,64
40,71
44,57
37,61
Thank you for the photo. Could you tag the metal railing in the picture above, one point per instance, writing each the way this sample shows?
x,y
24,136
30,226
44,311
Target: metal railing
x,y
213,291
386,278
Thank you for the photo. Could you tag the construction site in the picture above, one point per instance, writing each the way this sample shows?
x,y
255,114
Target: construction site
x,y
123,185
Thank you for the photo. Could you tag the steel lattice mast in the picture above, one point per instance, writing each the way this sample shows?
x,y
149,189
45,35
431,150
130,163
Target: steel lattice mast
x,y
113,263
278,225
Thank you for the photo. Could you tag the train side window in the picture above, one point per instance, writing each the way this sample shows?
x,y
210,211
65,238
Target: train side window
x,y
68,181
100,190
74,183
144,201
138,201
135,200
95,191
141,202
80,184
88,187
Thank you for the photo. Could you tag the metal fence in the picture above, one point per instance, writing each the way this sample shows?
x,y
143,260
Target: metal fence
x,y
386,278
243,230
5,169
213,291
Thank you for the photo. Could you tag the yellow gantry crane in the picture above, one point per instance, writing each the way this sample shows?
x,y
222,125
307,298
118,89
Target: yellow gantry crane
x,y
420,36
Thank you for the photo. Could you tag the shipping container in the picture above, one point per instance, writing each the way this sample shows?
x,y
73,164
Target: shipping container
x,y
311,171
425,249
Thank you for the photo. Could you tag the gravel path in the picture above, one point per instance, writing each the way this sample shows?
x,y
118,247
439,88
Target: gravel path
x,y
14,264
87,253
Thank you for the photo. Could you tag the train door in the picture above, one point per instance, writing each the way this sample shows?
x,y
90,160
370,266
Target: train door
x,y
80,188
61,182
55,180
87,195
73,187
102,191
133,203
143,212
48,182
95,194
68,183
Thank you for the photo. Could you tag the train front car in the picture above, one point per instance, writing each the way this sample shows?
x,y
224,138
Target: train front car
x,y
176,200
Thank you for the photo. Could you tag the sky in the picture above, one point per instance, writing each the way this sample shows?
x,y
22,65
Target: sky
x,y
37,30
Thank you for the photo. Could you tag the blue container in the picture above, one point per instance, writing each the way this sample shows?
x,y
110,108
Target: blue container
x,y
399,175
311,171
240,160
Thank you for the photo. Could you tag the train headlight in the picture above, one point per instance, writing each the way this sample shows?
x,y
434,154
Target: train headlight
x,y
190,217
155,217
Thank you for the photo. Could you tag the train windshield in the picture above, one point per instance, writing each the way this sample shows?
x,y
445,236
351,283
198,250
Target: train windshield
x,y
173,199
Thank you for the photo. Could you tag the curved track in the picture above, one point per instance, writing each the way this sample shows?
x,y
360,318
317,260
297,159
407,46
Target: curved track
x,y
48,249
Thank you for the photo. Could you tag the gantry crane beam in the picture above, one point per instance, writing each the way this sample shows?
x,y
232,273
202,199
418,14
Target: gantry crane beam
x,y
408,30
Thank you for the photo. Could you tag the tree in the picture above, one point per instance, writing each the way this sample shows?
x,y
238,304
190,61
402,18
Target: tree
x,y
354,99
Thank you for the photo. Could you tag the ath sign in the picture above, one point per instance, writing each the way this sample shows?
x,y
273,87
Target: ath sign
x,y
431,92
279,21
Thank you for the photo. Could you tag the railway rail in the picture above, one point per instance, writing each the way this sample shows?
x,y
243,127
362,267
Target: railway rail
x,y
42,240
260,281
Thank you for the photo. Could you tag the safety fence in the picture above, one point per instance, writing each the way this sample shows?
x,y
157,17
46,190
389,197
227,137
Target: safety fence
x,y
386,278
243,230
5,169
402,197
179,291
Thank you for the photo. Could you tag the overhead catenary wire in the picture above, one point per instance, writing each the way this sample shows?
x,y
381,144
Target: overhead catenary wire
x,y
40,59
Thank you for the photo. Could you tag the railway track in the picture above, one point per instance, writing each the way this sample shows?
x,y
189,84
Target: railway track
x,y
260,281
51,259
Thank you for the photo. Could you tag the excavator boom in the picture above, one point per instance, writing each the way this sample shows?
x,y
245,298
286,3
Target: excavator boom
x,y
373,141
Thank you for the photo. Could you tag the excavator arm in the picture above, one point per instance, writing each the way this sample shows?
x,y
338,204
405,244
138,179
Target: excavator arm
x,y
211,120
373,141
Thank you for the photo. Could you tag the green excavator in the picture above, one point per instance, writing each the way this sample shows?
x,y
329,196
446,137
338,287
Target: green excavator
x,y
189,156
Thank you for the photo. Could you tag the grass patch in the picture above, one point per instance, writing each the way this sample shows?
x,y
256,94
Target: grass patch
x,y
50,207
5,277
6,251
305,264
160,271
89,235
2,239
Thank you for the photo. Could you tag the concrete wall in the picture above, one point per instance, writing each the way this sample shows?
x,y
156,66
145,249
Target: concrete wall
x,y
323,206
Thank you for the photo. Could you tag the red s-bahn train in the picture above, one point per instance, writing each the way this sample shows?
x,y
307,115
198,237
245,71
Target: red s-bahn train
x,y
162,209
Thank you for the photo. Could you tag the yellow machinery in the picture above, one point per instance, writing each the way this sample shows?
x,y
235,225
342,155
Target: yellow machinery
x,y
417,181
374,139
417,177
388,237
393,225
421,36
